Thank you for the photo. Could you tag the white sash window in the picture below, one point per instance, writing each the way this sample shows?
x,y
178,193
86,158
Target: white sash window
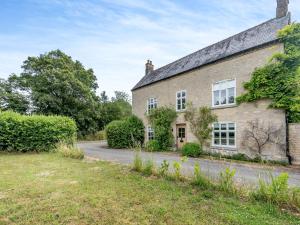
x,y
224,93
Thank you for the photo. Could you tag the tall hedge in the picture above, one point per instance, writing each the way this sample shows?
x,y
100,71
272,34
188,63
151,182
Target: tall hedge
x,y
125,133
34,133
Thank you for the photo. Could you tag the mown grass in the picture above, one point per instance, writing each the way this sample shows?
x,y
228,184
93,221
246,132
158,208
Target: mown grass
x,y
49,189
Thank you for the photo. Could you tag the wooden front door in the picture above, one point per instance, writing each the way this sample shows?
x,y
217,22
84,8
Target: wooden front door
x,y
180,135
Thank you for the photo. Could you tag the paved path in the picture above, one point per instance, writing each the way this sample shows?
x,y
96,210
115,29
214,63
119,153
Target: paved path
x,y
245,172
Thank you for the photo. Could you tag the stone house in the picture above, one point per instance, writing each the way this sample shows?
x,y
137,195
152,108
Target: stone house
x,y
214,77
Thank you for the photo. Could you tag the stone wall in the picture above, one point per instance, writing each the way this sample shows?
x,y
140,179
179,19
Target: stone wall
x,y
294,142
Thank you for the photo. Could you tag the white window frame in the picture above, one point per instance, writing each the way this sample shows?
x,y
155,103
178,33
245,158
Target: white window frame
x,y
227,135
227,94
180,98
149,131
151,104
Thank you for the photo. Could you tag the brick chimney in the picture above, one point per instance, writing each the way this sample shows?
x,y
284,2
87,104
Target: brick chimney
x,y
149,67
282,8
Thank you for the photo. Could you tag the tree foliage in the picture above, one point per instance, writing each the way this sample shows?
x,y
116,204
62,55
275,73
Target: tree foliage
x,y
279,80
11,98
161,120
55,84
200,122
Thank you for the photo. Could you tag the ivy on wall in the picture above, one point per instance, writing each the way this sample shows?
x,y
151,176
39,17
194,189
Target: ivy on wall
x,y
279,79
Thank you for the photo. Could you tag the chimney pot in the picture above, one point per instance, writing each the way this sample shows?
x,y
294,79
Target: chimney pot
x,y
282,8
149,67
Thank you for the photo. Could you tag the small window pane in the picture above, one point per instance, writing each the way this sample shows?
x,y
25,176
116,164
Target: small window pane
x,y
217,141
216,135
216,126
223,97
183,94
231,126
216,98
223,126
223,141
223,135
231,142
231,95
231,134
183,103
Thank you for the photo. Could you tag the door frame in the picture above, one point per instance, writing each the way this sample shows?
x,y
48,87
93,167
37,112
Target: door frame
x,y
180,125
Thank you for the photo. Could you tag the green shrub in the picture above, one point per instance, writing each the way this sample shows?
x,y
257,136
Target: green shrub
x,y
226,181
148,168
164,168
34,133
69,151
125,133
177,168
192,150
152,146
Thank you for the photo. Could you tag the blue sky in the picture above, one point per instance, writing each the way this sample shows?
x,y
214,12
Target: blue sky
x,y
115,38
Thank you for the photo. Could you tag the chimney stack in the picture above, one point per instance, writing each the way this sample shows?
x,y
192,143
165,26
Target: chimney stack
x,y
149,67
282,8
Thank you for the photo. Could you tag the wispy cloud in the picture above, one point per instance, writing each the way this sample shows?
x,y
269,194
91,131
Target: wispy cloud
x,y
116,37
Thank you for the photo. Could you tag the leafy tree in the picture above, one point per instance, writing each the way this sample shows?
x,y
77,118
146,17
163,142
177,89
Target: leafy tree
x,y
279,80
61,86
200,122
11,98
122,101
161,120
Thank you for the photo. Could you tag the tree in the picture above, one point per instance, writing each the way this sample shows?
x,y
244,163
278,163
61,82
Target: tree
x,y
258,134
11,98
200,122
279,80
61,86
122,101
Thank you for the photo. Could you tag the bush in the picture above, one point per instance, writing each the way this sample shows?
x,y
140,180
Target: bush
x,y
69,151
34,133
152,146
164,168
125,133
192,150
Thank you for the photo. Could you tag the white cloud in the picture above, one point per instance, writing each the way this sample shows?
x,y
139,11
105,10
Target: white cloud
x,y
116,37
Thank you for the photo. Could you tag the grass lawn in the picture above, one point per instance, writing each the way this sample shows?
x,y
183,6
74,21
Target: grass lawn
x,y
49,189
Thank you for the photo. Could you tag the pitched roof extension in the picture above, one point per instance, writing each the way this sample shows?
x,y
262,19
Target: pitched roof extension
x,y
257,36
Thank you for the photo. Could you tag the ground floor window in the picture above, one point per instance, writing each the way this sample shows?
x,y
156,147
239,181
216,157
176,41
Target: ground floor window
x,y
224,134
150,133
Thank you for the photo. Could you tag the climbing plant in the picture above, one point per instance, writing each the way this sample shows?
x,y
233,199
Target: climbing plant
x,y
161,120
279,79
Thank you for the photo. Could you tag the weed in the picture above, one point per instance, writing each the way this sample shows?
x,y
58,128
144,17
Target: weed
x,y
148,168
69,151
138,162
200,179
226,181
164,168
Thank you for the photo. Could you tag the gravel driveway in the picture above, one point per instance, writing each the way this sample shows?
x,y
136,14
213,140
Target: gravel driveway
x,y
246,173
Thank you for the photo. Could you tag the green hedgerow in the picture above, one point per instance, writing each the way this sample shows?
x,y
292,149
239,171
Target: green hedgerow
x,y
192,150
34,133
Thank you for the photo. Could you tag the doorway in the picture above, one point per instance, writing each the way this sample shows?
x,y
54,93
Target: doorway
x,y
180,135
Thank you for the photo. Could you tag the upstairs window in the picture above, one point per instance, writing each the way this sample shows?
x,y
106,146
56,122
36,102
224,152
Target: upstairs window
x,y
152,104
150,133
224,134
180,100
224,93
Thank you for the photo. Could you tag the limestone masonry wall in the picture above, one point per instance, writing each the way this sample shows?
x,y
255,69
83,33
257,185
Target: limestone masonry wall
x,y
294,142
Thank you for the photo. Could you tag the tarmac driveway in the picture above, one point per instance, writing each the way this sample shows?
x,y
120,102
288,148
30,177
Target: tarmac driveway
x,y
246,173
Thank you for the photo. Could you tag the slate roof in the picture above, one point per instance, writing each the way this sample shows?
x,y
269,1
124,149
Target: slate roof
x,y
254,37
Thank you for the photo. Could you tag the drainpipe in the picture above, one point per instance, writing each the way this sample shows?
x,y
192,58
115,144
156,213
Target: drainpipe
x,y
287,138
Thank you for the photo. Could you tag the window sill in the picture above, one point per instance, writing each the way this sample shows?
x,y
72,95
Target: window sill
x,y
181,111
224,106
233,148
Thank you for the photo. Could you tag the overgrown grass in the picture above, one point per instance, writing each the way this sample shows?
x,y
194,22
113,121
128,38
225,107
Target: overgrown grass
x,y
49,189
69,151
